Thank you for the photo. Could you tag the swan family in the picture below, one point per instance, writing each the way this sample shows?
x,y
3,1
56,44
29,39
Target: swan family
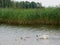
x,y
45,36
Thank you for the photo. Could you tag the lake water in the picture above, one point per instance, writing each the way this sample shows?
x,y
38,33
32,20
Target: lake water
x,y
21,35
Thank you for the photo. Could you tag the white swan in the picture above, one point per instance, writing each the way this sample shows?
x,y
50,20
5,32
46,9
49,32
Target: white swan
x,y
44,37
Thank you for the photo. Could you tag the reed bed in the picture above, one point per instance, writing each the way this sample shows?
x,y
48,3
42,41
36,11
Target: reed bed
x,y
45,16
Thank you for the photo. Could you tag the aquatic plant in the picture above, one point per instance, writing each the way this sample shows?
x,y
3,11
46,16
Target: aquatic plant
x,y
30,16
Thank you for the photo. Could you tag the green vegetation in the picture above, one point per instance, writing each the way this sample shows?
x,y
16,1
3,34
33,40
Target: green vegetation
x,y
49,16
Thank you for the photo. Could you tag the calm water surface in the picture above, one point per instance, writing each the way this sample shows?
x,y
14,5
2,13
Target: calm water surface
x,y
13,35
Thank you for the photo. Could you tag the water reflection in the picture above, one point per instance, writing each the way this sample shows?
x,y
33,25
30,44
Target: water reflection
x,y
13,35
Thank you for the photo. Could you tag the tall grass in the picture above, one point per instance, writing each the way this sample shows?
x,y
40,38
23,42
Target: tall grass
x,y
30,16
